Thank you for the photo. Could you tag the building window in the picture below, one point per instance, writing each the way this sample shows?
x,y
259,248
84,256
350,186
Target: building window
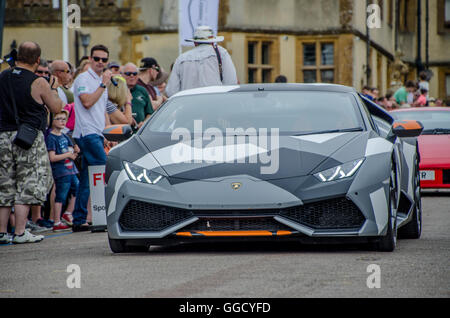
x,y
447,13
407,15
262,59
381,4
317,61
444,83
390,12
443,16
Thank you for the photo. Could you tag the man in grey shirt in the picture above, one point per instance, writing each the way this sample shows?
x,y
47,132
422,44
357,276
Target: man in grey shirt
x,y
208,64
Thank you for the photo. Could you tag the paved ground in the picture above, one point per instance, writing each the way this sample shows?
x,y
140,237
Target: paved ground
x,y
418,268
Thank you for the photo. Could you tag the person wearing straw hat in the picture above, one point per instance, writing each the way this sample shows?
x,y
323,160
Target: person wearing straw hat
x,y
208,64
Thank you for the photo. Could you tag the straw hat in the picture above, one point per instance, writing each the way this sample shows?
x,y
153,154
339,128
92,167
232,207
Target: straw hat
x,y
205,34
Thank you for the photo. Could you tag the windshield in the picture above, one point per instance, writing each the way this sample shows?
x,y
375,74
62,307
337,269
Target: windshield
x,y
291,112
434,122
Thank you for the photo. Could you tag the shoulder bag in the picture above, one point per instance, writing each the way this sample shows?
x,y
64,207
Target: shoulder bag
x,y
26,134
219,60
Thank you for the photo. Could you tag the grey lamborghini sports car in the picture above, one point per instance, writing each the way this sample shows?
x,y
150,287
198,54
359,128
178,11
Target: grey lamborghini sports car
x,y
302,162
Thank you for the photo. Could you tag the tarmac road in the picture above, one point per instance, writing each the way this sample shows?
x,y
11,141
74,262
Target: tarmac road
x,y
418,268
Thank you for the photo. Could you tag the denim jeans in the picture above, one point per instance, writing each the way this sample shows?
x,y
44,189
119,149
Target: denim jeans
x,y
64,185
93,154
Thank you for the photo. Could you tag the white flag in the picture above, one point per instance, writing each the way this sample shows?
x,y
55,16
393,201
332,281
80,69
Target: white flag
x,y
194,13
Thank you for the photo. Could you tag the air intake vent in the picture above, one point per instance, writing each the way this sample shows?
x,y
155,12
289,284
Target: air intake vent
x,y
330,214
143,216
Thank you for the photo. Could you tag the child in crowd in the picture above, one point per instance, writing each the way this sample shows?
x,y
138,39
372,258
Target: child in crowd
x,y
422,99
391,102
62,154
423,83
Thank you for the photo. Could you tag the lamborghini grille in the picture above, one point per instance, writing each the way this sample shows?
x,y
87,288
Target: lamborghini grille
x,y
142,216
330,214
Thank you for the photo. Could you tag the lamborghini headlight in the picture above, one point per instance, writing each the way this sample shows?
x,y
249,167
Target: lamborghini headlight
x,y
139,174
343,171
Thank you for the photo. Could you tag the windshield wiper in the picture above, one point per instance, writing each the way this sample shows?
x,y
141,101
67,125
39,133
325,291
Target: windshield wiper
x,y
330,131
436,131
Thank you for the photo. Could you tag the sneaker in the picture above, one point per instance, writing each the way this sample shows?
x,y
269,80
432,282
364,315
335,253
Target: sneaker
x,y
27,237
4,239
60,227
67,218
45,223
34,228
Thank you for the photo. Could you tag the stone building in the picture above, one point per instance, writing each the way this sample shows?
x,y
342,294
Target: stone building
x,y
308,41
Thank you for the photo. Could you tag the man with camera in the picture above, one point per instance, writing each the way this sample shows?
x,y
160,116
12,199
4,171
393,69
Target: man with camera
x,y
25,173
43,70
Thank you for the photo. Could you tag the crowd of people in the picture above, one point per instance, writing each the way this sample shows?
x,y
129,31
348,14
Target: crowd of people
x,y
52,118
412,94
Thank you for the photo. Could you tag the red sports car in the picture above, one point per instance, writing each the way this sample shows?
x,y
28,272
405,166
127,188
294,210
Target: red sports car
x,y
434,144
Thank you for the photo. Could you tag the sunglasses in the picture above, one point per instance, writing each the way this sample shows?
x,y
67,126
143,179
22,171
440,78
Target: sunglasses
x,y
97,59
131,73
43,72
64,71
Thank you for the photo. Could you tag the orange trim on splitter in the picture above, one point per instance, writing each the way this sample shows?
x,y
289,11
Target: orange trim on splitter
x,y
234,233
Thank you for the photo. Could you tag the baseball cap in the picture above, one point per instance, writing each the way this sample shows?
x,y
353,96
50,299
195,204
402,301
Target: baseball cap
x,y
149,62
113,64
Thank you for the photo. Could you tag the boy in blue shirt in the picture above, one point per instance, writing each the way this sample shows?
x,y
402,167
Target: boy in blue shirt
x,y
62,154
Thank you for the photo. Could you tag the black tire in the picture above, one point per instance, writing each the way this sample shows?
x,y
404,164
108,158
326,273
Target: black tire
x,y
388,242
120,246
413,230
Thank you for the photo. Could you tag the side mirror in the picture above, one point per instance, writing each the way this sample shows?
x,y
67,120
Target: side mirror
x,y
407,128
117,133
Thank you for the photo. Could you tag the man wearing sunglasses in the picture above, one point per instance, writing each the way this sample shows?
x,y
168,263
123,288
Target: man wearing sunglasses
x,y
142,106
43,70
62,72
91,102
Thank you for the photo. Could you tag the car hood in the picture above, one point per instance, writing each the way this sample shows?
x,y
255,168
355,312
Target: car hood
x,y
289,156
434,149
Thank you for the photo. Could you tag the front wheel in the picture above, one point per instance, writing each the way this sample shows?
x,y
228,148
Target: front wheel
x,y
413,230
388,242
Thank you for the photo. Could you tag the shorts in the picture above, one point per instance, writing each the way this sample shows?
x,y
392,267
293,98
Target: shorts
x,y
25,175
64,185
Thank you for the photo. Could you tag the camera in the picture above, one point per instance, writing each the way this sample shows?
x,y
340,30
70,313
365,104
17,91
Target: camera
x,y
11,58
